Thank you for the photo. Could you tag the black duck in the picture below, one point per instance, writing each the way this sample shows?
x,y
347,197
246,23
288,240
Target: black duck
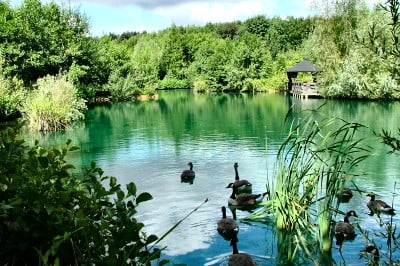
x,y
188,175
244,200
242,184
378,206
227,227
344,230
239,259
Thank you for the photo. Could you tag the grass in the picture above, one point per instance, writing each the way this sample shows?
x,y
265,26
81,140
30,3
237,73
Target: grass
x,y
312,166
53,105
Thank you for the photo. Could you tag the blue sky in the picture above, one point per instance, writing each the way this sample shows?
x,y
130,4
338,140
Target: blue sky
x,y
118,16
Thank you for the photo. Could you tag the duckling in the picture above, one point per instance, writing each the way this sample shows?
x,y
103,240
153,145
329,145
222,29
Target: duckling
x,y
239,259
345,195
344,230
377,206
244,200
227,227
242,184
188,175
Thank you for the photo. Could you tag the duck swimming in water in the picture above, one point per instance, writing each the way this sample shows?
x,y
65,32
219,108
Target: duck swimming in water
x,y
244,199
378,206
188,175
227,227
242,184
344,230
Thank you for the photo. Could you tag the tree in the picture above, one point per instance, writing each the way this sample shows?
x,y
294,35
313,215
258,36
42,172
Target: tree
x,y
173,63
37,39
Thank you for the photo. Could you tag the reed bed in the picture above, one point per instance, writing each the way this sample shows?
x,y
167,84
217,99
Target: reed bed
x,y
312,167
54,105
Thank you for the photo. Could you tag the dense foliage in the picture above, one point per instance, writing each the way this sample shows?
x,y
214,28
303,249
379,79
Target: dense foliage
x,y
51,216
358,48
11,96
37,40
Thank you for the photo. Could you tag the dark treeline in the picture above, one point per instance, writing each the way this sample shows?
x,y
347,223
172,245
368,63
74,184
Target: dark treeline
x,y
357,47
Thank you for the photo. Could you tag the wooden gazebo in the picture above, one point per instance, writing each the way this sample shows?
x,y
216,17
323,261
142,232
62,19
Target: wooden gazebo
x,y
304,89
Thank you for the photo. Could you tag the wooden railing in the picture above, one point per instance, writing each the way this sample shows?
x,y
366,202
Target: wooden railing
x,y
304,89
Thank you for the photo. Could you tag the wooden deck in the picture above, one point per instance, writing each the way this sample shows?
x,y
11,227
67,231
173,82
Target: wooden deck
x,y
304,90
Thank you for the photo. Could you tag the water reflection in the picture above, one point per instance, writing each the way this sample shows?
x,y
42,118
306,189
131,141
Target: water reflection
x,y
151,142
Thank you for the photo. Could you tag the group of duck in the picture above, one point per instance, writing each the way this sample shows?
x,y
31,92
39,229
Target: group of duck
x,y
241,197
241,189
345,230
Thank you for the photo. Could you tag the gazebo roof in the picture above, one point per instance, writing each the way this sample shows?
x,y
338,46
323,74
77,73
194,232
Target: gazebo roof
x,y
304,66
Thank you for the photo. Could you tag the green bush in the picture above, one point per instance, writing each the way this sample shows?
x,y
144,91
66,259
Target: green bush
x,y
54,105
171,83
12,97
123,88
200,84
50,216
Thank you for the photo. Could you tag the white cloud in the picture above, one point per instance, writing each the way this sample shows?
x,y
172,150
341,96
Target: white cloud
x,y
149,4
200,13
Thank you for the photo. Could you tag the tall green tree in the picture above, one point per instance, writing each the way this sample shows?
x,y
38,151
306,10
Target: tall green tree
x,y
38,39
249,61
173,59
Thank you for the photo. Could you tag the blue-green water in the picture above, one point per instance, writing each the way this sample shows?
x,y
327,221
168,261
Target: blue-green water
x,y
151,142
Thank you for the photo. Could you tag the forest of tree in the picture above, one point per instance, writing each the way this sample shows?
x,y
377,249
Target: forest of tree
x,y
356,45
51,69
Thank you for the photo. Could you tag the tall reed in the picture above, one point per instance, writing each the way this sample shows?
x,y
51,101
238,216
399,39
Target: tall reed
x,y
54,105
312,166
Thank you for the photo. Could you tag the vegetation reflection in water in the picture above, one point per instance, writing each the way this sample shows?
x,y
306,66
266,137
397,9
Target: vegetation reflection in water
x,y
151,142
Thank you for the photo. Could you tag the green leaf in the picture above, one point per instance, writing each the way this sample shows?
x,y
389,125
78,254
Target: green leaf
x,y
3,187
113,181
131,187
44,162
151,239
74,148
145,196
69,166
120,195
163,262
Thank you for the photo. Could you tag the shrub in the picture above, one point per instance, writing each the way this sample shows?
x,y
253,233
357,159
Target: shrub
x,y
276,81
12,97
50,216
54,105
200,84
123,88
171,83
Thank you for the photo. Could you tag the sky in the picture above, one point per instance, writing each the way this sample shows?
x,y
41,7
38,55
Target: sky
x,y
118,16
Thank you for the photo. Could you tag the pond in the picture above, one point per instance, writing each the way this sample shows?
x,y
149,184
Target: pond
x,y
151,142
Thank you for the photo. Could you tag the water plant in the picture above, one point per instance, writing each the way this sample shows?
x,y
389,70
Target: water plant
x,y
312,166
